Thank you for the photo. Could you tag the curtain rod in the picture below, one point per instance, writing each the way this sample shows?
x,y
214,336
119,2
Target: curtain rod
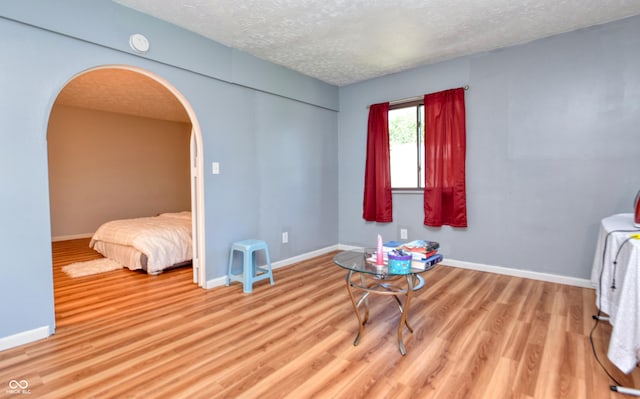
x,y
415,98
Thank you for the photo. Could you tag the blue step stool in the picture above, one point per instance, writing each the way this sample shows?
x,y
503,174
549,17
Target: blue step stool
x,y
251,272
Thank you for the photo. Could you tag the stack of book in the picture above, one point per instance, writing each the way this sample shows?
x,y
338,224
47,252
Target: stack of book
x,y
424,254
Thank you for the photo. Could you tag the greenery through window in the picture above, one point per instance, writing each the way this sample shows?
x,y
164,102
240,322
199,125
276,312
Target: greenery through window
x,y
406,138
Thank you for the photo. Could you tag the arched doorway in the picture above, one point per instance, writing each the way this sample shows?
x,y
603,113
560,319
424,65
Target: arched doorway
x,y
139,93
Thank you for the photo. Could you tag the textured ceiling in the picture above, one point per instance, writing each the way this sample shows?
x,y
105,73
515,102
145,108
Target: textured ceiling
x,y
122,91
339,41
347,41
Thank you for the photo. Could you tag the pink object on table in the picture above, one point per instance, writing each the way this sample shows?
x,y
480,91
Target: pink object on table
x,y
379,254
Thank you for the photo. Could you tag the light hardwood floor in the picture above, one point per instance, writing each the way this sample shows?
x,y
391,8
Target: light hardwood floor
x,y
477,335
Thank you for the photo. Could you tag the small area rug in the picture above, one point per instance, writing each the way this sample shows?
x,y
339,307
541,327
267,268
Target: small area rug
x,y
90,267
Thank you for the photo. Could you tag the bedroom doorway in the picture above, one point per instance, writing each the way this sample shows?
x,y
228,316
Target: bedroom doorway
x,y
135,93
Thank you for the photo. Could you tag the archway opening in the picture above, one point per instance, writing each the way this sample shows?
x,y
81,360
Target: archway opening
x,y
157,117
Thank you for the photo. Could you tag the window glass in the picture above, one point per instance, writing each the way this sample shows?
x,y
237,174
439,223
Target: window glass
x,y
405,142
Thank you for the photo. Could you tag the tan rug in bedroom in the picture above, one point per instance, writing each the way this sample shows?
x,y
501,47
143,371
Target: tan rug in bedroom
x,y
80,269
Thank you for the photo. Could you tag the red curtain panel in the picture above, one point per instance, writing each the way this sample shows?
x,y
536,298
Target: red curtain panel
x,y
445,201
377,204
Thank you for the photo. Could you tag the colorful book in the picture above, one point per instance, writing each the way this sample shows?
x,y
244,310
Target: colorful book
x,y
420,246
427,263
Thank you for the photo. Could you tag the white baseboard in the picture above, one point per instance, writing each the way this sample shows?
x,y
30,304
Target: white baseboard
x,y
552,278
303,257
218,281
71,237
24,337
507,271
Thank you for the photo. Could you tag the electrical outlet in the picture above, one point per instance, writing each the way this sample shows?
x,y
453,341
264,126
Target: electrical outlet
x,y
404,234
285,237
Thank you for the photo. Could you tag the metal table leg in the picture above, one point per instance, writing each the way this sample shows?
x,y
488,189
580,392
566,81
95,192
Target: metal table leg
x,y
403,318
356,304
385,289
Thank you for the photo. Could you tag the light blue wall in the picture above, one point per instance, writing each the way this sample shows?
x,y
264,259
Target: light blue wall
x,y
276,144
553,144
105,23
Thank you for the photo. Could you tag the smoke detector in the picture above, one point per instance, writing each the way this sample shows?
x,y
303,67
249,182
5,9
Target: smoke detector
x,y
139,43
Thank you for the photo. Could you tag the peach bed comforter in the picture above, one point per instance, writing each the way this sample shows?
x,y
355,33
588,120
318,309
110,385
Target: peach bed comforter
x,y
162,241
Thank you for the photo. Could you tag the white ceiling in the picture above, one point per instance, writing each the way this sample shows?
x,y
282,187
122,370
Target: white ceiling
x,y
347,41
339,41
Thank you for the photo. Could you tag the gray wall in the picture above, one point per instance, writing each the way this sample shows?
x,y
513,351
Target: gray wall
x,y
273,131
552,140
553,143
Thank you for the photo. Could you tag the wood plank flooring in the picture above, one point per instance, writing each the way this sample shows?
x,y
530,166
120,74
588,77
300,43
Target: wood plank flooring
x,y
124,334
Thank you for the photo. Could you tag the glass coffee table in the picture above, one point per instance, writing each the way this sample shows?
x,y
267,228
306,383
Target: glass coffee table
x,y
366,277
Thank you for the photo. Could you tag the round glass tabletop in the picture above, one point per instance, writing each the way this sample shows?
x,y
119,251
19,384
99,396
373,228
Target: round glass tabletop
x,y
361,262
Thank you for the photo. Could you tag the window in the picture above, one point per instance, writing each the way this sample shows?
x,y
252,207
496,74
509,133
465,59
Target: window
x,y
406,145
396,159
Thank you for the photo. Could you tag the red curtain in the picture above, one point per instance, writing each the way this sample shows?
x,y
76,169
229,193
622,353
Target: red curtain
x,y
445,201
377,176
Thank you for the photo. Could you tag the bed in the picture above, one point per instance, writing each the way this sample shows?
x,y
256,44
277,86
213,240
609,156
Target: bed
x,y
151,244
